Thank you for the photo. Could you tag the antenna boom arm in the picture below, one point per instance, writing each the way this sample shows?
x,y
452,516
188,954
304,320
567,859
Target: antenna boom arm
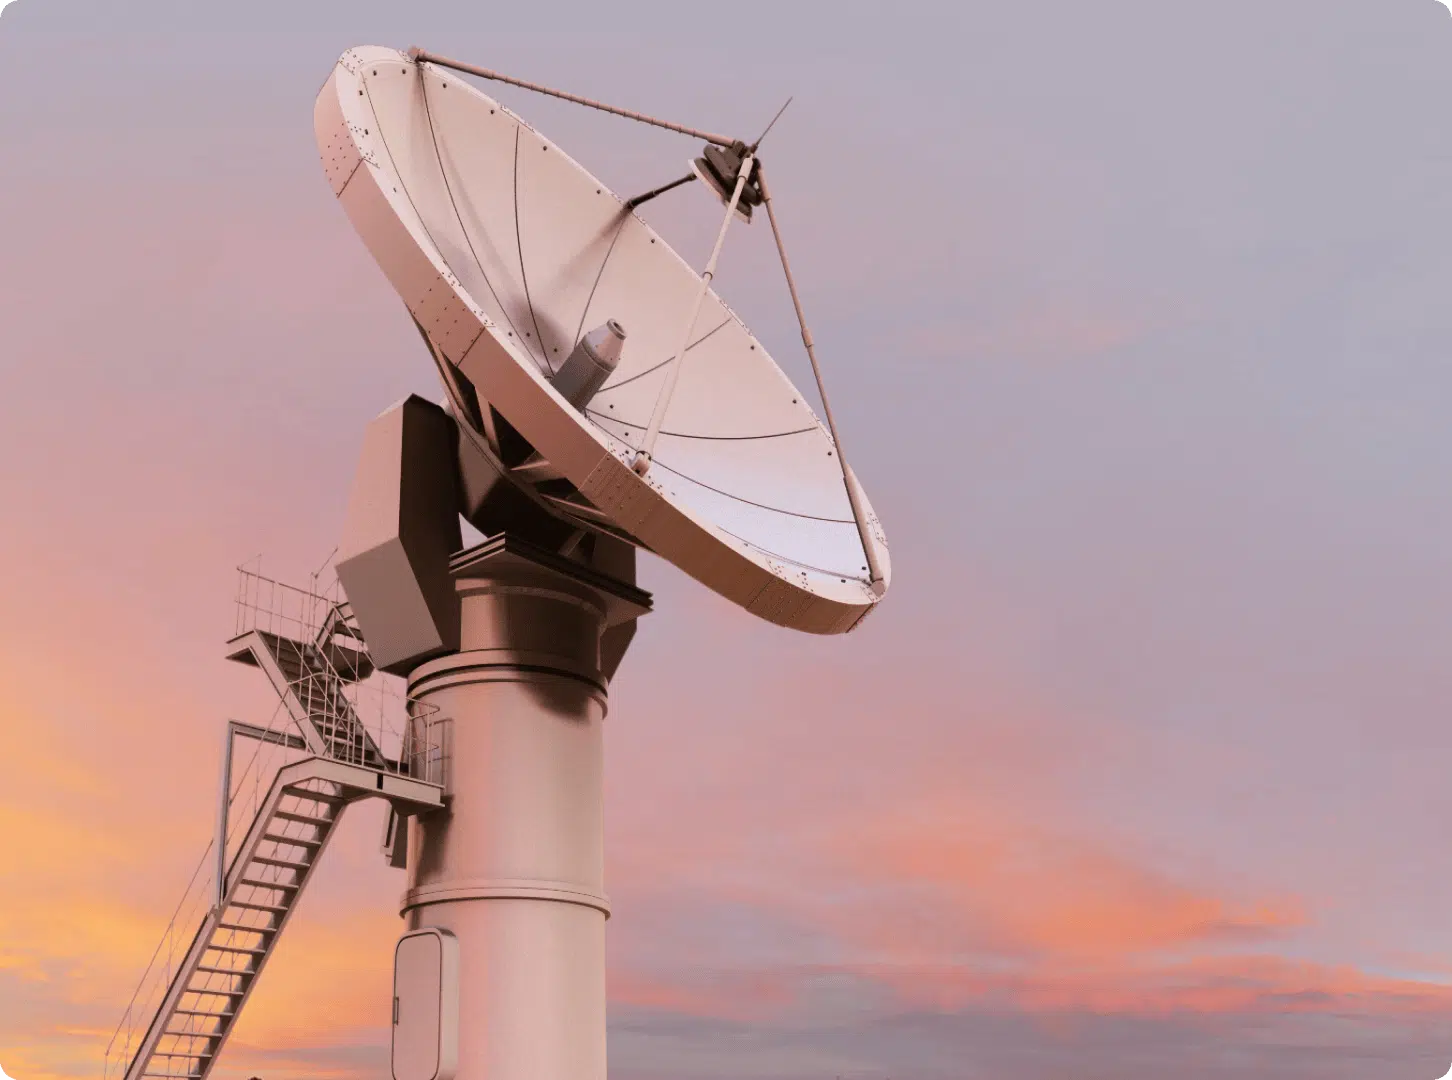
x,y
643,456
854,495
420,56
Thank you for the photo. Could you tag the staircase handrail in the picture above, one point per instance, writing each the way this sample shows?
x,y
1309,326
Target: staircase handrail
x,y
280,780
171,925
131,1005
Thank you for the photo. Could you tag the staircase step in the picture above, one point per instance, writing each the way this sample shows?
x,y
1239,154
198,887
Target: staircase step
x,y
180,1035
260,883
288,815
197,1012
259,907
247,929
215,993
295,841
315,796
174,1076
184,1034
267,860
240,972
238,951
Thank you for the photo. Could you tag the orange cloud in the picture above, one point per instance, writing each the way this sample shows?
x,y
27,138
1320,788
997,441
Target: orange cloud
x,y
950,901
331,975
718,995
1018,887
1219,985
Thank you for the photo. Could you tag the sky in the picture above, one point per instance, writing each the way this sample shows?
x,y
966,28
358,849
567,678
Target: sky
x,y
1134,316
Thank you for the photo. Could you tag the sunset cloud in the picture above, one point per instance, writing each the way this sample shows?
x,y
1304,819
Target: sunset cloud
x,y
1140,772
1034,893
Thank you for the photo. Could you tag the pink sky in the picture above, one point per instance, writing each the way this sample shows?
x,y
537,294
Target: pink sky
x,y
1135,318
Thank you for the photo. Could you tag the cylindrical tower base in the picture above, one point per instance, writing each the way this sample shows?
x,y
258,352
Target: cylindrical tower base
x,y
514,866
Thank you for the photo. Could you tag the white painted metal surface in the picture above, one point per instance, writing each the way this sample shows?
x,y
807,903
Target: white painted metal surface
x,y
426,1006
506,252
516,867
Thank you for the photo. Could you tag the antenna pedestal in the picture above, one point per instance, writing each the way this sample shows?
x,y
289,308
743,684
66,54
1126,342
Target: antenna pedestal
x,y
514,867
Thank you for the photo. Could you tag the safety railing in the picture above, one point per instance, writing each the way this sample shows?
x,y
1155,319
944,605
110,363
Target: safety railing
x,y
286,610
330,675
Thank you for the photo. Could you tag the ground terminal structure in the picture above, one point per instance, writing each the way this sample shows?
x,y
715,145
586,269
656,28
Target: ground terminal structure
x,y
600,399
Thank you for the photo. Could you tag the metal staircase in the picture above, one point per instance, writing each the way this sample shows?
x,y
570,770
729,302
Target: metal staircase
x,y
230,922
311,687
237,937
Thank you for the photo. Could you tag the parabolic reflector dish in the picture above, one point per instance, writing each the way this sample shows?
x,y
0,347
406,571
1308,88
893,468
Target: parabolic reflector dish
x,y
507,253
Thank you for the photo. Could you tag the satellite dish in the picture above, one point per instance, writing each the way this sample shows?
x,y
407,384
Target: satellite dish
x,y
554,313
